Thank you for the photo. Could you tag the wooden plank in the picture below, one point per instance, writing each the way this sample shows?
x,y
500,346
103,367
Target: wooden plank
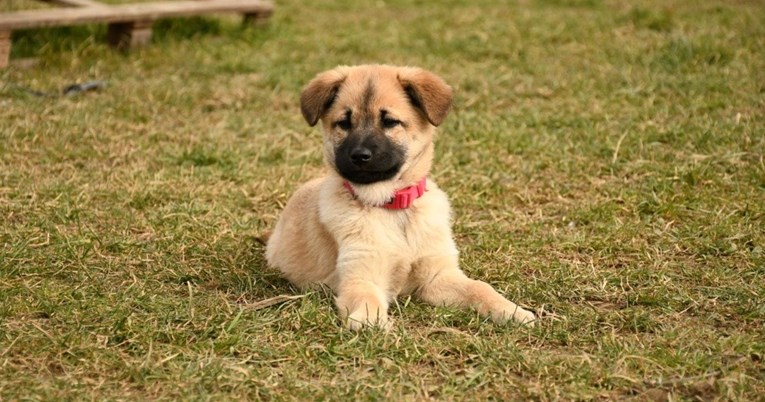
x,y
128,12
256,18
126,35
5,48
76,3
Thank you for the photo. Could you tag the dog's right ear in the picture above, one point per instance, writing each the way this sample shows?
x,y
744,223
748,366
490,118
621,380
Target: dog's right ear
x,y
318,95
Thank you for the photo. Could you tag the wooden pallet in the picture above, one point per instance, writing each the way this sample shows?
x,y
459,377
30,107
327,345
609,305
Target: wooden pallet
x,y
129,24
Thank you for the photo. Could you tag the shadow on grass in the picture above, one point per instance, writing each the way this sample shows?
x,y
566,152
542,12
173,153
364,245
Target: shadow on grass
x,y
250,277
37,42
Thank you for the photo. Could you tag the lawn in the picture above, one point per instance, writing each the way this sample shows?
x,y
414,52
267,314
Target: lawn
x,y
605,162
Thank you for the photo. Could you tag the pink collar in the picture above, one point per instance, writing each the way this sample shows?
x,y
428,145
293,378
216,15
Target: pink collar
x,y
403,198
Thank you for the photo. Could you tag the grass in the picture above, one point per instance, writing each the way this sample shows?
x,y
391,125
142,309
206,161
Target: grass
x,y
604,160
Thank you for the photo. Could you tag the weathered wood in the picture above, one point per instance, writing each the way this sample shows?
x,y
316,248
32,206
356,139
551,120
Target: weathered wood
x,y
256,18
126,35
5,48
128,12
76,3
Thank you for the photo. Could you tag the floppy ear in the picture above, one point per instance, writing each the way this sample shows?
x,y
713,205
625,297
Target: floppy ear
x,y
319,94
427,92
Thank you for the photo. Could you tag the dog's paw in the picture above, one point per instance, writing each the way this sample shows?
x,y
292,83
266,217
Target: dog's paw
x,y
525,317
516,313
359,321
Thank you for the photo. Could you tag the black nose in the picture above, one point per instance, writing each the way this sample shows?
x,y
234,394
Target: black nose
x,y
361,155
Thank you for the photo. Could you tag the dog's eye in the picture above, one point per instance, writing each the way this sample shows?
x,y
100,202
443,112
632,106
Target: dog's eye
x,y
344,124
387,122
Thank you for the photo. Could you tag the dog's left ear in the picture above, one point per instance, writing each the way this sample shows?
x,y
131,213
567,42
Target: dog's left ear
x,y
318,95
427,92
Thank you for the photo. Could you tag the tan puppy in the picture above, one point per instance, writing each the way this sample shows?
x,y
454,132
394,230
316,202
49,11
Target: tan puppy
x,y
343,231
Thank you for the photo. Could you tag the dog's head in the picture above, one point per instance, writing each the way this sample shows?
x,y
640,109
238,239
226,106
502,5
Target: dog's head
x,y
378,120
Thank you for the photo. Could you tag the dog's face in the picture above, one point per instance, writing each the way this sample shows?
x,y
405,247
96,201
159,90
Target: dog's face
x,y
376,118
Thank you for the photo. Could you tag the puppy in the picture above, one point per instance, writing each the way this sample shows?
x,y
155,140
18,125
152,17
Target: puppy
x,y
376,227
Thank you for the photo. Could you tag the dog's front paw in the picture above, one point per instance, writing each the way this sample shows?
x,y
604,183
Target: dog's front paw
x,y
516,313
360,319
525,317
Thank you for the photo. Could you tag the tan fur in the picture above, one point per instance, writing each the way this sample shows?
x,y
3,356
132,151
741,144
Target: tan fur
x,y
367,254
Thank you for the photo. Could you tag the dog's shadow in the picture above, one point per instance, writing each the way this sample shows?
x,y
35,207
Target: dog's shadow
x,y
252,285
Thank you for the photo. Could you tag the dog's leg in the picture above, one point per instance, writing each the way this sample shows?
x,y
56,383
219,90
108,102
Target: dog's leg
x,y
361,302
443,283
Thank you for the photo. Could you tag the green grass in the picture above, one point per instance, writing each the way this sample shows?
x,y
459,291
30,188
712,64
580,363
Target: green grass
x,y
604,160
